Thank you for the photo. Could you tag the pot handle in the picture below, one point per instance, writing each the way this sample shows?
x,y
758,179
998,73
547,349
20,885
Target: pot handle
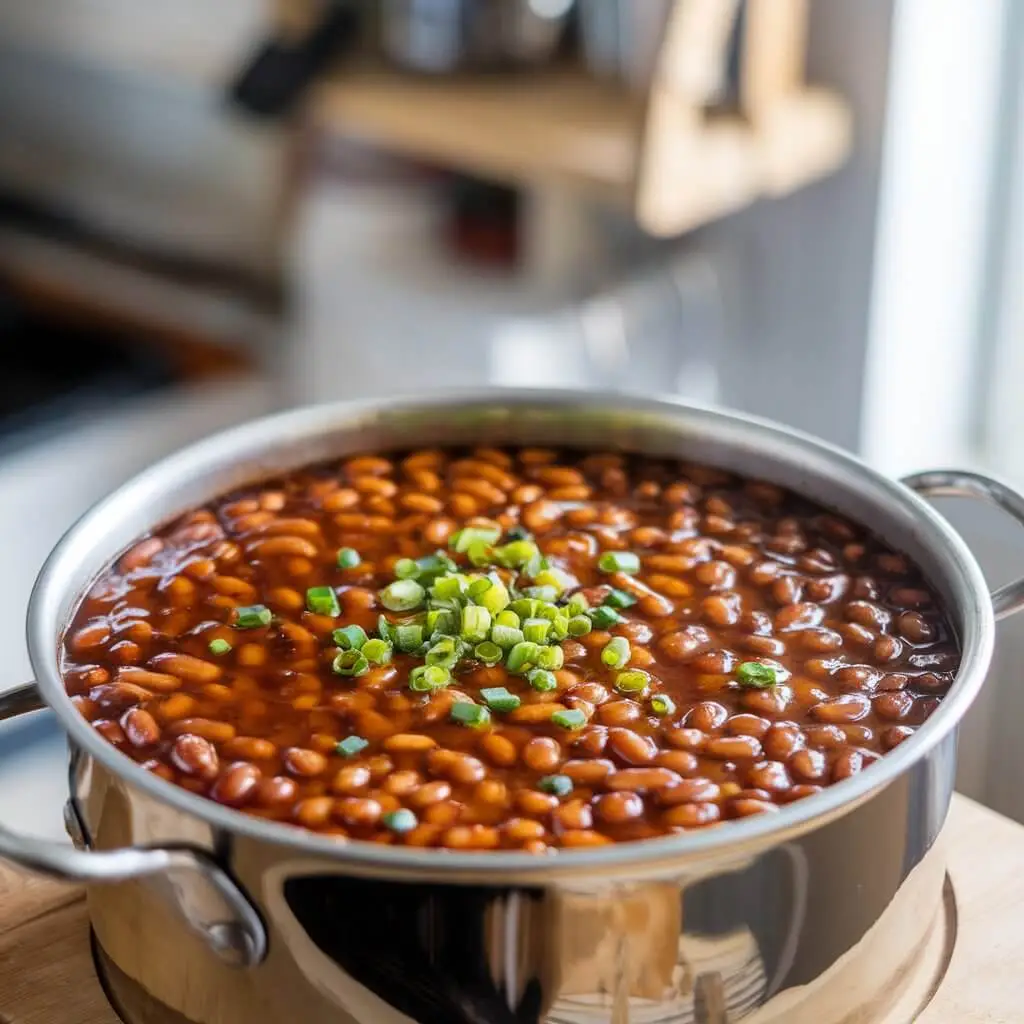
x,y
964,483
212,904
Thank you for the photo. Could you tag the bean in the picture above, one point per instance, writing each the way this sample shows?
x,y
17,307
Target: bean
x,y
588,772
809,765
358,811
305,763
208,728
619,712
276,791
498,749
782,740
746,807
894,736
115,695
688,739
684,644
237,784
915,627
471,837
141,554
430,793
314,812
691,815
455,766
250,748
847,764
848,707
731,747
573,814
747,725
189,669
680,761
542,754
631,747
770,776
616,808
893,706
722,609
642,779
195,756
156,682
409,743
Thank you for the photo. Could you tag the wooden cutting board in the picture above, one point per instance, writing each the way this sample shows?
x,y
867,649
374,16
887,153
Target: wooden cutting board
x,y
47,975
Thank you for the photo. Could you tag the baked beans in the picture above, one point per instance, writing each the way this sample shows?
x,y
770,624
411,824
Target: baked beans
x,y
523,649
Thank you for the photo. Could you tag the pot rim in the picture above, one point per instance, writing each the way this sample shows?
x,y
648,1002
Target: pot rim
x,y
45,627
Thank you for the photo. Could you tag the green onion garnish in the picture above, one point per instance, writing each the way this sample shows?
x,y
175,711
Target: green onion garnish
x,y
518,533
663,704
542,680
755,675
536,630
489,653
402,596
448,588
351,663
616,652
323,601
517,554
506,636
495,597
253,616
633,681
348,558
473,716
408,637
377,652
498,698
351,745
545,593
603,617
218,646
525,608
428,678
469,535
442,621
476,624
507,618
446,652
350,638
406,569
402,820
552,658
386,629
620,599
619,561
580,625
570,718
556,785
523,657
578,605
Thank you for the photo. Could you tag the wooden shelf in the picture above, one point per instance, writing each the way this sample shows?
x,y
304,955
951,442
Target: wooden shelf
x,y
546,126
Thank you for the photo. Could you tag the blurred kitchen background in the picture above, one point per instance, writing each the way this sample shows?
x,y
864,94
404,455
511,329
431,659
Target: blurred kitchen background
x,y
807,209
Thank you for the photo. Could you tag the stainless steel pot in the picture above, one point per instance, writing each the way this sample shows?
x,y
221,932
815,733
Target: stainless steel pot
x,y
810,915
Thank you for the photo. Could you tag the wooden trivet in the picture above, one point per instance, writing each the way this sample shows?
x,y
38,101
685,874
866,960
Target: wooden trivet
x,y
972,973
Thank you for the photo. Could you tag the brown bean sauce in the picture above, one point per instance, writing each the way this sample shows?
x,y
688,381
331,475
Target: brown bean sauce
x,y
732,573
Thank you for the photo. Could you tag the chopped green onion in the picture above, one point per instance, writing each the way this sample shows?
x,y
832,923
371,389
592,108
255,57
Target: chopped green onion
x,y
446,652
756,676
616,652
488,652
443,621
348,558
323,601
556,785
542,680
525,608
406,569
552,658
449,588
430,567
619,561
633,681
351,663
476,624
385,629
544,593
507,618
494,598
536,630
377,652
603,617
402,820
469,535
663,704
523,657
473,716
517,554
253,616
427,678
580,625
578,605
351,745
409,637
555,578
549,611
559,629
402,596
570,718
219,646
506,636
518,533
620,599
498,698
350,637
